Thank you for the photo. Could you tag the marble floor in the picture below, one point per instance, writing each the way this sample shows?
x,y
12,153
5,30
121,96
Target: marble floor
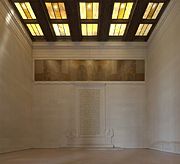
x,y
75,156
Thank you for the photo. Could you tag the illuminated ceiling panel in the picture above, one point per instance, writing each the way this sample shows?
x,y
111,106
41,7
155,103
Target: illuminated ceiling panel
x,y
25,10
61,29
89,29
143,29
56,10
35,29
89,10
153,10
117,29
97,20
122,10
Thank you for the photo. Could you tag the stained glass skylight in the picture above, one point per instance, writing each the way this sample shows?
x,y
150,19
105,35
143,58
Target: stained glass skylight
x,y
89,29
143,29
153,10
25,10
89,10
35,29
61,29
122,10
117,29
56,10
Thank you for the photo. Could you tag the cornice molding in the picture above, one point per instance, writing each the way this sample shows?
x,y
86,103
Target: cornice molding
x,y
89,45
89,52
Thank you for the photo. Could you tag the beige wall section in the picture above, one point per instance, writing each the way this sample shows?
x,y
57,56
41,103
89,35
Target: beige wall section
x,y
126,114
54,104
163,83
15,83
55,114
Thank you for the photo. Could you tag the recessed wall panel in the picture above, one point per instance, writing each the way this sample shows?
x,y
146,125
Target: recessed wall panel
x,y
89,70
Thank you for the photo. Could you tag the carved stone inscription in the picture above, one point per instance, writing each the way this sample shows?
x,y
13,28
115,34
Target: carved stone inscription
x,y
89,111
89,70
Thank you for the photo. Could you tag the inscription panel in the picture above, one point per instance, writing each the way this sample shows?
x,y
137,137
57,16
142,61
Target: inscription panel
x,y
89,106
89,70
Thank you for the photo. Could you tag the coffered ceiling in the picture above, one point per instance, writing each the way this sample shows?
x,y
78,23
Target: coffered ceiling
x,y
89,20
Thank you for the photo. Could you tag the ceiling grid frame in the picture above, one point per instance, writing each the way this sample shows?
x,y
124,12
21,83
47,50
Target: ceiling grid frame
x,y
104,21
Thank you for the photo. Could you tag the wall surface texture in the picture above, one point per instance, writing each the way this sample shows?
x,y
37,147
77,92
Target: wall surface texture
x,y
163,84
55,109
15,84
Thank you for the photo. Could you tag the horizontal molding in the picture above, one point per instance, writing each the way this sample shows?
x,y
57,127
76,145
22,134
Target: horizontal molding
x,y
166,146
94,57
89,50
89,82
87,45
91,147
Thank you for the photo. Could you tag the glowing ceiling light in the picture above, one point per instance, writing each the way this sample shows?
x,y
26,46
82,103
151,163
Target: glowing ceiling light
x,y
89,29
123,5
89,10
25,10
153,10
56,10
89,6
122,10
117,29
35,29
144,29
55,7
61,29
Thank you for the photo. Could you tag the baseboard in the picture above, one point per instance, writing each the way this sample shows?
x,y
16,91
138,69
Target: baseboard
x,y
166,146
92,148
76,146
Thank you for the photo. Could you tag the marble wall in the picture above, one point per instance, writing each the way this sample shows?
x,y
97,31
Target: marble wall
x,y
57,118
15,83
163,82
120,107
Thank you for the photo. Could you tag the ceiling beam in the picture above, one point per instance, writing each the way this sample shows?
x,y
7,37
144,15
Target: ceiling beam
x,y
106,9
39,9
135,20
72,9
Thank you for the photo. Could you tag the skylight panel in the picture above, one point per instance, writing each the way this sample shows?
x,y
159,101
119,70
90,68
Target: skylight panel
x,y
56,10
143,29
25,10
117,29
61,29
35,29
153,10
89,29
89,10
122,10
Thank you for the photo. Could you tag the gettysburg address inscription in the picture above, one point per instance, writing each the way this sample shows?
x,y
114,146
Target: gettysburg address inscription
x,y
89,106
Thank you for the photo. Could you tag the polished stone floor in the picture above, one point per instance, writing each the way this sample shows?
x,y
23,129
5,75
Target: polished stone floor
x,y
58,156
